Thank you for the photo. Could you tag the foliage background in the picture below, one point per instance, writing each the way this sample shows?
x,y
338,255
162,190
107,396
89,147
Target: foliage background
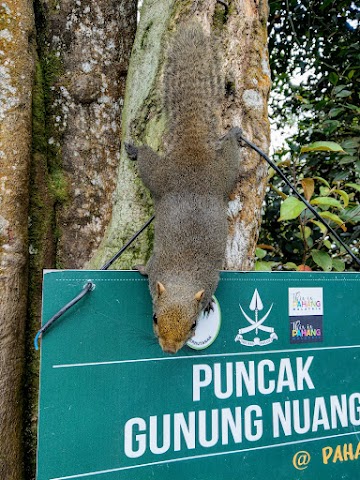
x,y
318,41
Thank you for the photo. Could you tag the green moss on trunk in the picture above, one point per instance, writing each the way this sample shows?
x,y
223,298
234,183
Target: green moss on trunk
x,y
41,250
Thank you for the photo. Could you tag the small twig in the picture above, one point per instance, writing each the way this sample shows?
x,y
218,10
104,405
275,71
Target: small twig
x,y
292,23
302,228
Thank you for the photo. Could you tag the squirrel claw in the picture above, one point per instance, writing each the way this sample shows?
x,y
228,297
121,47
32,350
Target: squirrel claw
x,y
233,132
237,133
209,307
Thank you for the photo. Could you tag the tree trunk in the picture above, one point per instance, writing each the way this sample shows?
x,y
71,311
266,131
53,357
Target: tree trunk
x,y
85,49
243,33
16,75
247,89
83,54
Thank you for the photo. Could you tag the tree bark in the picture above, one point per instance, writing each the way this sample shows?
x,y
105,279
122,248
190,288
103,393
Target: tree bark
x,y
83,54
16,74
247,85
86,50
242,30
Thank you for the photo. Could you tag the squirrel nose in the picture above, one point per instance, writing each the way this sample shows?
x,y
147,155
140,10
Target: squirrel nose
x,y
169,347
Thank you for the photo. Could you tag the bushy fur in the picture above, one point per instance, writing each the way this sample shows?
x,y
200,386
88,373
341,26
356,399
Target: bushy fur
x,y
190,186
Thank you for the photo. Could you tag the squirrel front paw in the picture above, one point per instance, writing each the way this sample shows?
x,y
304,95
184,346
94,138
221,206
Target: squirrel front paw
x,y
209,307
237,132
131,150
141,269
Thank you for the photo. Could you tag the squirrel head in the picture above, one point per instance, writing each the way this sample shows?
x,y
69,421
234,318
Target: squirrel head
x,y
174,322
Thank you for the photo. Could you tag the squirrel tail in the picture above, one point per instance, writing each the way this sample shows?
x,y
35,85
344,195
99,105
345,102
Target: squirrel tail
x,y
192,86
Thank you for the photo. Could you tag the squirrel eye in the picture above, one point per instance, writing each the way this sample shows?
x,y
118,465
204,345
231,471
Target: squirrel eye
x,y
155,319
193,326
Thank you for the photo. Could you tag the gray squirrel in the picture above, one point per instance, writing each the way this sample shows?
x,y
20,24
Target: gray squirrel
x,y
190,185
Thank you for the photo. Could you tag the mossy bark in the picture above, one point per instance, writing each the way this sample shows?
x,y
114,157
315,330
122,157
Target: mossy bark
x,y
41,243
241,28
17,67
85,48
81,66
144,122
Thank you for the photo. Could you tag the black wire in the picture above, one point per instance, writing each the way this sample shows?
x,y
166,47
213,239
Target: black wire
x,y
89,286
308,205
122,250
224,4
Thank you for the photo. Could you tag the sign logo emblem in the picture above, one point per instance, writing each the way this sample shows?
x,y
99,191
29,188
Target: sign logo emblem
x,y
207,328
256,324
306,310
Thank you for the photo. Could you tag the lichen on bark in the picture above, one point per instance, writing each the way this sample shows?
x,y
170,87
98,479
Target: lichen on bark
x,y
241,29
84,52
143,122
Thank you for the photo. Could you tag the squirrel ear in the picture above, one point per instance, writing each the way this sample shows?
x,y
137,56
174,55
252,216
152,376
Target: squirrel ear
x,y
199,295
160,288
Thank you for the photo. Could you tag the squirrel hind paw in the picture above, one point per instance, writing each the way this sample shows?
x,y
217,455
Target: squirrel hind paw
x,y
237,132
131,150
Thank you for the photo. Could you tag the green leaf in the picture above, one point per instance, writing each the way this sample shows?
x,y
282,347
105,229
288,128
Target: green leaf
x,y
334,112
347,159
310,242
338,264
344,93
351,214
344,196
322,180
353,107
351,143
322,147
333,77
355,186
323,6
323,228
340,176
305,231
291,208
260,253
264,266
338,89
322,259
279,192
327,201
324,191
329,126
290,266
334,218
327,244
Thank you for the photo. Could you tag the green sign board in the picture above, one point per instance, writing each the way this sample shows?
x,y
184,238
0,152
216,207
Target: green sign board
x,y
275,396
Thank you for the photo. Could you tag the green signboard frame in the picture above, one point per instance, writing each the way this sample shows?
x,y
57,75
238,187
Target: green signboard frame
x,y
275,396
